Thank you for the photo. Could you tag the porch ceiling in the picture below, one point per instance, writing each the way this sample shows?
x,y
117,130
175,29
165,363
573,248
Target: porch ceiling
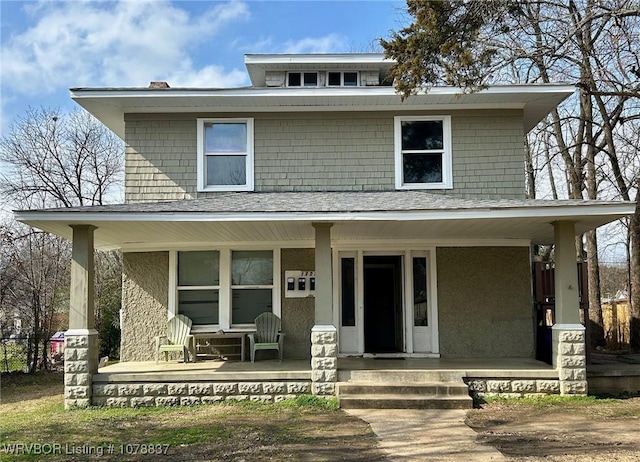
x,y
286,219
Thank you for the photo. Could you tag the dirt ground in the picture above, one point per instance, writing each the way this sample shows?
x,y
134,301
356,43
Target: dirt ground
x,y
569,431
607,430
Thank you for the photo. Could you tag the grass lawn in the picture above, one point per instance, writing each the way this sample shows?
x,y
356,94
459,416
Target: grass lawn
x,y
35,426
13,356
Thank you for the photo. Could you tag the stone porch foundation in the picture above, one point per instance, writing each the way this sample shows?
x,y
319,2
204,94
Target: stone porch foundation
x,y
482,387
80,363
324,360
194,392
569,352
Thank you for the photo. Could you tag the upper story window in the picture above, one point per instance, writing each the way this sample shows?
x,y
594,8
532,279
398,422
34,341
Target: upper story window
x,y
423,152
342,79
302,79
225,154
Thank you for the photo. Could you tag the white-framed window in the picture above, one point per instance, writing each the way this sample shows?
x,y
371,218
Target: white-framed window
x,y
302,79
342,79
224,288
251,284
225,154
423,152
198,286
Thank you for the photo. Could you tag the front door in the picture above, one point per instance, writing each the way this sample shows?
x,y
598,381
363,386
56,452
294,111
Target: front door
x,y
385,303
383,326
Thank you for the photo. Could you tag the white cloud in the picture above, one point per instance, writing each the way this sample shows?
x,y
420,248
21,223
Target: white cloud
x,y
332,43
209,76
126,43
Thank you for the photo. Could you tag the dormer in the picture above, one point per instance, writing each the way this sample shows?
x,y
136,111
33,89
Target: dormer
x,y
318,70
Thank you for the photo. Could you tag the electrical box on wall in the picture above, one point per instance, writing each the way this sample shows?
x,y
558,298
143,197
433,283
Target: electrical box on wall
x,y
299,284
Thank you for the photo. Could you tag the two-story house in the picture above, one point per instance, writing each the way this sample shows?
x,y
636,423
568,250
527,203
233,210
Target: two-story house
x,y
373,227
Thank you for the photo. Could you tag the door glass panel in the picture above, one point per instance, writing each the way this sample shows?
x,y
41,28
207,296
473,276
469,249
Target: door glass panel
x,y
348,292
420,305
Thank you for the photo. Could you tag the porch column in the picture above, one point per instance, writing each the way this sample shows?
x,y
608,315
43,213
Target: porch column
x,y
81,340
324,336
569,350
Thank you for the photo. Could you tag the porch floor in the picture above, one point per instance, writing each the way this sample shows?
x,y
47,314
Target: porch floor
x,y
289,369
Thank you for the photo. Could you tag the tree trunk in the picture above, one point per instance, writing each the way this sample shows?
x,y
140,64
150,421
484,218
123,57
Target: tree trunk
x,y
596,322
634,257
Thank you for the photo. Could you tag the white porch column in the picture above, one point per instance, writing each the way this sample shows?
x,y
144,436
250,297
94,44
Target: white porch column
x,y
324,335
81,340
569,349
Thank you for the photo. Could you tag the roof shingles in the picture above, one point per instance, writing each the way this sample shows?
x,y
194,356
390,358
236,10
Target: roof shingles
x,y
319,202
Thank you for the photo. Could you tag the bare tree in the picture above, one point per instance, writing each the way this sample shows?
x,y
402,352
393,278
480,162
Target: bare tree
x,y
57,159
50,160
590,42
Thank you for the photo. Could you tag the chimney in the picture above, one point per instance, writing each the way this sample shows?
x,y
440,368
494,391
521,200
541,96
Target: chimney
x,y
159,85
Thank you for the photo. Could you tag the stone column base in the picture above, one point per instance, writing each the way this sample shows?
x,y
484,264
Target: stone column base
x,y
80,363
569,358
324,360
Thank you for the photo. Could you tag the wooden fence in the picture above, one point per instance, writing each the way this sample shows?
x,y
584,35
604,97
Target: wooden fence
x,y
616,324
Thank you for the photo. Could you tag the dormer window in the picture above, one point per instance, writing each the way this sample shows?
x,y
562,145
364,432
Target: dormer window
x,y
302,79
342,79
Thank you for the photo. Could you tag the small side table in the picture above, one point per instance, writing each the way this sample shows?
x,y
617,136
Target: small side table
x,y
211,337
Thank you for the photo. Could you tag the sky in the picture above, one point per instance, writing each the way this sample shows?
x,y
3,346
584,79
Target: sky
x,y
48,47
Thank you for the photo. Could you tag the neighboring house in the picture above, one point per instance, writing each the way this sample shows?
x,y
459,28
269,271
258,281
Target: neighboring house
x,y
410,217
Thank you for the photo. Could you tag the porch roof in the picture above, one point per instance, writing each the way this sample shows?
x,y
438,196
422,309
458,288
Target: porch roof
x,y
285,217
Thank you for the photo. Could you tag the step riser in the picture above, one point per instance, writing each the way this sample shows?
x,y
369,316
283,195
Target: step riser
x,y
392,390
427,390
399,376
355,403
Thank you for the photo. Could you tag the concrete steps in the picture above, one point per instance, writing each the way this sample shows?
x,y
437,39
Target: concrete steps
x,y
404,394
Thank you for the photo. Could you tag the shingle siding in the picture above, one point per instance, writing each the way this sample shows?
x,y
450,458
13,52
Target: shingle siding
x,y
310,154
323,152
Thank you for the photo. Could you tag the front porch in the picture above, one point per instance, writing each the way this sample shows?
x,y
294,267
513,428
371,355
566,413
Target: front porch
x,y
451,307
175,383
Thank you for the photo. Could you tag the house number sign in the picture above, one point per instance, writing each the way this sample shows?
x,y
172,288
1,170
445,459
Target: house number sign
x,y
299,284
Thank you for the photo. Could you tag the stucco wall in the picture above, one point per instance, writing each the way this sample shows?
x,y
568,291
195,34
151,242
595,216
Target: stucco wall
x,y
145,282
297,313
309,151
484,302
145,305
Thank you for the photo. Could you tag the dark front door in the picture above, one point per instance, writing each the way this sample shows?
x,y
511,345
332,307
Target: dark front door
x,y
382,304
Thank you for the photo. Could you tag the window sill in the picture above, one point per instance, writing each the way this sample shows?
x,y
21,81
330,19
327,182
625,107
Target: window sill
x,y
425,186
226,189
